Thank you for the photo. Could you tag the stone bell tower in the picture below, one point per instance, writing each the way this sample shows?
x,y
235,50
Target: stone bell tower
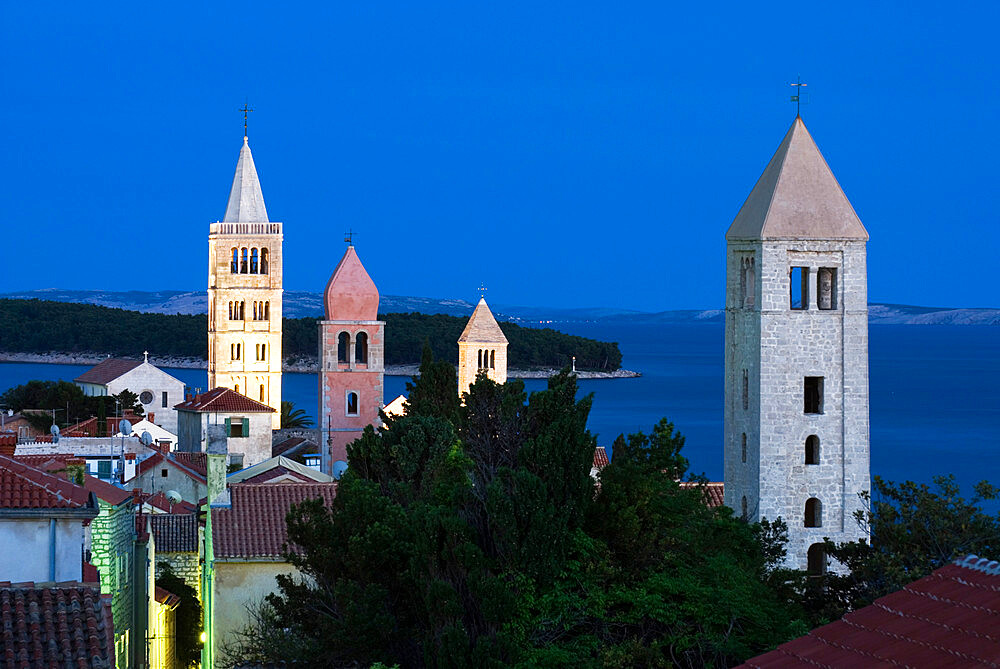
x,y
796,370
351,360
481,346
244,294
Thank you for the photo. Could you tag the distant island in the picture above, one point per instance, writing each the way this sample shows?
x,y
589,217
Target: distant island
x,y
301,304
49,331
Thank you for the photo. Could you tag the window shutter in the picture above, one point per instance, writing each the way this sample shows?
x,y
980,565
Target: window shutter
x,y
246,427
229,429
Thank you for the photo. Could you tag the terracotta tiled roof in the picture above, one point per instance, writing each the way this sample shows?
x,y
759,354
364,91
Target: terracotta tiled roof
x,y
175,532
105,491
223,400
948,619
254,526
165,597
601,458
160,501
196,462
24,487
107,371
181,465
714,492
283,447
60,626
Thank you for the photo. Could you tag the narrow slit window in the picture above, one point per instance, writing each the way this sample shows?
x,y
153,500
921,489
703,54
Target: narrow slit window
x,y
244,264
263,261
813,394
352,404
827,288
493,359
267,310
479,365
798,280
743,507
746,389
234,265
814,513
262,395
812,450
253,261
743,449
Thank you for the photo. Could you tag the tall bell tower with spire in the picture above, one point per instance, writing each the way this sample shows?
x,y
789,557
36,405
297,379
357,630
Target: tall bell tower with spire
x,y
244,293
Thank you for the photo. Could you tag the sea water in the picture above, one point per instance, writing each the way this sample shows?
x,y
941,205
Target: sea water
x,y
935,394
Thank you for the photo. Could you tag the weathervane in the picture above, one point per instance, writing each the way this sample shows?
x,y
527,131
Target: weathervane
x,y
797,98
349,237
246,110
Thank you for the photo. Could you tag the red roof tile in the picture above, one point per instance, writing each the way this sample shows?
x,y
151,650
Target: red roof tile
x,y
600,458
175,532
950,618
24,487
161,502
181,465
223,400
254,526
105,491
60,626
165,597
107,371
196,462
714,492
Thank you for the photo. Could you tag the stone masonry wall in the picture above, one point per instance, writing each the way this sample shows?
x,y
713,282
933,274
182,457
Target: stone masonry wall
x,y
185,565
112,552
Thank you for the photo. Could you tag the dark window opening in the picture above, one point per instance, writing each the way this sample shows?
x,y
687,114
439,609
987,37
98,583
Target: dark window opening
x,y
479,364
816,560
267,310
163,473
343,343
238,427
798,287
253,261
262,397
814,513
812,450
743,505
164,400
234,265
827,288
361,348
352,404
263,261
813,394
493,359
243,261
746,389
748,281
744,449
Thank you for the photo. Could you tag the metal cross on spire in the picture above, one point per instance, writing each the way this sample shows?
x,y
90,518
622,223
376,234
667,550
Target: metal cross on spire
x,y
797,98
246,110
349,237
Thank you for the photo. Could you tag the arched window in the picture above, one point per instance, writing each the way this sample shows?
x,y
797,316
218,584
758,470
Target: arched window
x,y
267,310
816,560
255,310
493,359
263,261
743,507
230,311
814,513
263,351
262,392
243,311
238,351
258,352
253,261
480,364
343,343
361,348
237,388
352,404
234,265
744,447
812,450
243,261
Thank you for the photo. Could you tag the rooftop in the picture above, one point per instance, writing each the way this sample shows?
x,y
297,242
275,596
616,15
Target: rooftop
x,y
175,532
254,526
23,487
714,492
223,400
947,619
107,371
350,293
246,201
482,327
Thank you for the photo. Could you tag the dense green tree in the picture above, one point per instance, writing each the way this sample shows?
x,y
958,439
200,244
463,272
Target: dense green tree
x,y
188,620
434,391
292,417
915,529
482,540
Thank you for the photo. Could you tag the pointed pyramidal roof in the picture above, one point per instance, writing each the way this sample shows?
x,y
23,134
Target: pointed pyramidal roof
x,y
246,202
482,327
350,293
797,197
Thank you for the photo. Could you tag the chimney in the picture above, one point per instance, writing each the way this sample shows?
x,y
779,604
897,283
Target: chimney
x,y
162,445
217,449
137,496
130,463
151,417
8,444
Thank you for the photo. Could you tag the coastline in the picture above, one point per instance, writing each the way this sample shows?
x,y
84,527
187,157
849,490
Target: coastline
x,y
293,365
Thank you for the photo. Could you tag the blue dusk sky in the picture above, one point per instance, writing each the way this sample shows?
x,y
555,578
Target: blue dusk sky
x,y
566,154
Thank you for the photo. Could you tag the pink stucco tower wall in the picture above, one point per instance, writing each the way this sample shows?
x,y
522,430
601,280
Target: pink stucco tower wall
x,y
351,359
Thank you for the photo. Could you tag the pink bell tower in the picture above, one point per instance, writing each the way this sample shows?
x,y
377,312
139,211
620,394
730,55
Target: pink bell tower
x,y
351,360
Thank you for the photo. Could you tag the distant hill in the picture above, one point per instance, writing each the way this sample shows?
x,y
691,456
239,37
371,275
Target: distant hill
x,y
301,304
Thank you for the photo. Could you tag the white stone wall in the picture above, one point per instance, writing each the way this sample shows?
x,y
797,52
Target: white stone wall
x,y
255,447
156,381
468,363
779,347
26,550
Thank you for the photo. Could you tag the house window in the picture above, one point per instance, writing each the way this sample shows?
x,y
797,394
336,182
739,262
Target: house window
x,y
814,513
234,351
164,473
164,400
267,310
479,365
743,507
812,450
827,288
748,281
493,359
244,265
352,404
146,397
744,446
104,469
361,348
343,343
238,427
798,296
816,560
813,394
243,310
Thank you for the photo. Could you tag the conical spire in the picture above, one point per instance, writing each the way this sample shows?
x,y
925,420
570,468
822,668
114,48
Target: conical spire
x,y
246,202
350,293
797,197
482,327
